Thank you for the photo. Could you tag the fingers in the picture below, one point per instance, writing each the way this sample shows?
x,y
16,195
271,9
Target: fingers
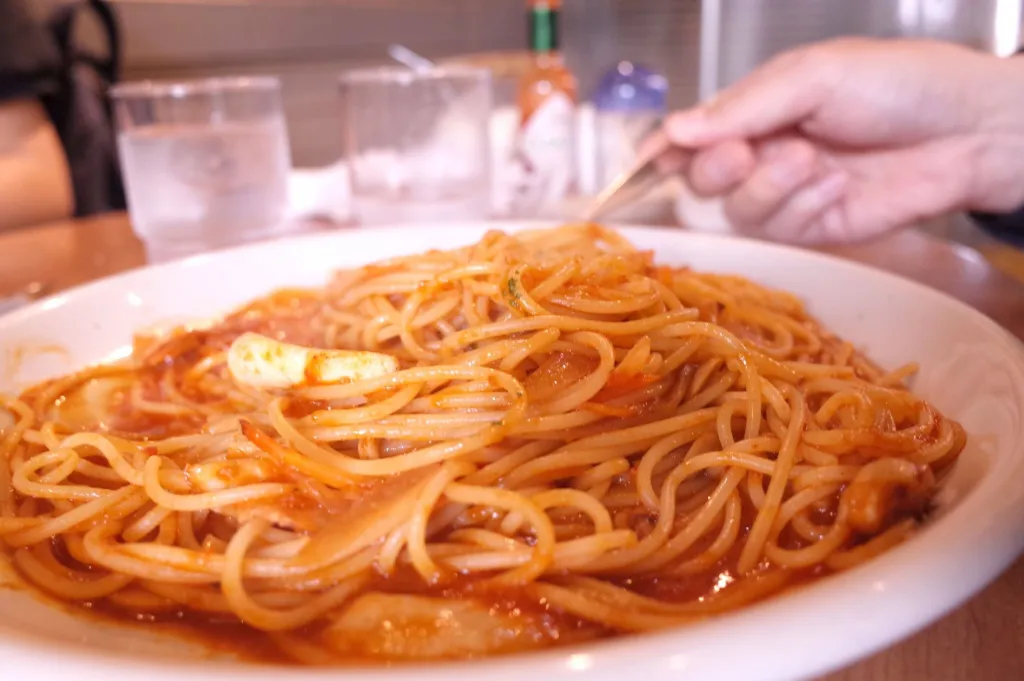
x,y
674,161
783,190
719,169
774,97
669,159
785,165
713,171
713,141
813,215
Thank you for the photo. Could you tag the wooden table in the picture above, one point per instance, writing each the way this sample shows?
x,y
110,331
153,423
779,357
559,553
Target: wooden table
x,y
981,641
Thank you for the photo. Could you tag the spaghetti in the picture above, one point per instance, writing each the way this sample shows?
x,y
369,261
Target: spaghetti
x,y
576,443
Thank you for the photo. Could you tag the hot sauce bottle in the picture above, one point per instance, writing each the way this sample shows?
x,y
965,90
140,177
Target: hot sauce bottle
x,y
547,97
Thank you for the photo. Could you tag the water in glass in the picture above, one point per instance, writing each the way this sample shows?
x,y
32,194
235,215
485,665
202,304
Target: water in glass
x,y
197,187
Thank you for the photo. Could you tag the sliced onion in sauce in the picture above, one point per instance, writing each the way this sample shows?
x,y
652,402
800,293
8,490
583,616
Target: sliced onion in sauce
x,y
372,516
556,373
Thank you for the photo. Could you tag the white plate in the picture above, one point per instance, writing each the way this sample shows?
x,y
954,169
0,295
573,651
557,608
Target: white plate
x,y
972,370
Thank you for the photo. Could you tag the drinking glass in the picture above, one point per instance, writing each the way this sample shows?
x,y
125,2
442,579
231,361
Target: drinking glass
x,y
205,162
416,143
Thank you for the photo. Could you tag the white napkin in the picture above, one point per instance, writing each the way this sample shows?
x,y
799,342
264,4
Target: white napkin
x,y
319,193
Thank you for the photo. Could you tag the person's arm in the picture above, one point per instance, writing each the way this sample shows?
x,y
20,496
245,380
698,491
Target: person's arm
x,y
35,181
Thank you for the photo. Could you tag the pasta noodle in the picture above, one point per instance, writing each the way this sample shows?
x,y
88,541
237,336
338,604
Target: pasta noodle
x,y
577,442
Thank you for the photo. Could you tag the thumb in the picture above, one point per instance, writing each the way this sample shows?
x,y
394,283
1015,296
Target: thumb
x,y
776,96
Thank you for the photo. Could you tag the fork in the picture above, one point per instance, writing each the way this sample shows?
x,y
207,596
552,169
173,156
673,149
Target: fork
x,y
632,184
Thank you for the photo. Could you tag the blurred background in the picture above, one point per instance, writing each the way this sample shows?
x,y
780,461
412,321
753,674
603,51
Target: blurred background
x,y
308,42
237,120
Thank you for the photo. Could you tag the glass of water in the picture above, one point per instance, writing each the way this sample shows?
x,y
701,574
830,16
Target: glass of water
x,y
205,162
417,143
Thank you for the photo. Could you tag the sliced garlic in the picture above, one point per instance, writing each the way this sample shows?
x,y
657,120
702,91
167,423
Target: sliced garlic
x,y
263,362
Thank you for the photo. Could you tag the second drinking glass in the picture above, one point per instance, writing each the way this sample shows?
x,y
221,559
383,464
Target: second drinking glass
x,y
416,143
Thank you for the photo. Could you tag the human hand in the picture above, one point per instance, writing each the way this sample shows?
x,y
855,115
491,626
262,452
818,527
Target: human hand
x,y
844,140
